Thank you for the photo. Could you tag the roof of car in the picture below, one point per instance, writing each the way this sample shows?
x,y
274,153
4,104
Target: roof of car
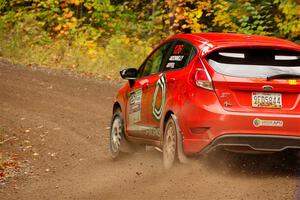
x,y
208,42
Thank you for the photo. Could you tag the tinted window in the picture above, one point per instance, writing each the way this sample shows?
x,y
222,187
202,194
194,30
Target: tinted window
x,y
180,55
153,63
254,63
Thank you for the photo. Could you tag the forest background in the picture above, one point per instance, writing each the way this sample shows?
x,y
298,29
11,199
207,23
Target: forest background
x,y
99,37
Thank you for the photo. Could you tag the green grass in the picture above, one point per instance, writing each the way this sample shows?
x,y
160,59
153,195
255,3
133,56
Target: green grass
x,y
103,61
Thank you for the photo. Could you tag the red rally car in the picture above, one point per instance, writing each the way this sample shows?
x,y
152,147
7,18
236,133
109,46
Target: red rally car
x,y
196,92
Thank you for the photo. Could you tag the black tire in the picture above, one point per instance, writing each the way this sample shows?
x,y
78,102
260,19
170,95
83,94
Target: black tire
x,y
169,144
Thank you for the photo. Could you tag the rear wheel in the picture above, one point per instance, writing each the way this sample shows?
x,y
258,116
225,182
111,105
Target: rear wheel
x,y
169,144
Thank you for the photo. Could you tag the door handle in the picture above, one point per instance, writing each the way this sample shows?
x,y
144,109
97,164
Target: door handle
x,y
171,80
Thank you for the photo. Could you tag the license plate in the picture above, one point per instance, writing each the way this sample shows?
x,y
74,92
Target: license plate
x,y
266,100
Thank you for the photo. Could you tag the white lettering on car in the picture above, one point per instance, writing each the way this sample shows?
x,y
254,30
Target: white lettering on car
x,y
176,58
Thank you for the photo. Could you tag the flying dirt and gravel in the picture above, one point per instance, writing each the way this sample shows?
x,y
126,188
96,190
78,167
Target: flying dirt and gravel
x,y
54,134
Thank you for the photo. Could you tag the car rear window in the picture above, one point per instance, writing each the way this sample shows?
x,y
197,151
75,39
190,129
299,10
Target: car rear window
x,y
254,63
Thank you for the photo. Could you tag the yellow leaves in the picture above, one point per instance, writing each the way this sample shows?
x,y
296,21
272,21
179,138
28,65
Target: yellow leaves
x,y
184,16
139,42
192,19
75,2
223,17
184,26
71,25
195,14
289,25
296,29
57,28
286,7
198,14
98,20
92,50
105,16
178,10
88,6
62,32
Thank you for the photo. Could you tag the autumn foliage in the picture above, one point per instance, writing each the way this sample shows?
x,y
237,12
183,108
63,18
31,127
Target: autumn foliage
x,y
102,27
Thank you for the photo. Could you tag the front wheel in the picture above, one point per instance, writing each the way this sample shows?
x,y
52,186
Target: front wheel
x,y
169,144
116,134
117,141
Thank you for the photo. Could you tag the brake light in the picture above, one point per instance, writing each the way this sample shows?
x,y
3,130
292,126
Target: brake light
x,y
202,78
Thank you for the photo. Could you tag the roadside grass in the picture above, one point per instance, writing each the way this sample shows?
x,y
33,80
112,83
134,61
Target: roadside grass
x,y
103,61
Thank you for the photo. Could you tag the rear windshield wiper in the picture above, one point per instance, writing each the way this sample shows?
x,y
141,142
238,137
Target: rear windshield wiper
x,y
283,76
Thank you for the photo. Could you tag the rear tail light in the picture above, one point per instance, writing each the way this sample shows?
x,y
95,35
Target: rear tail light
x,y
202,78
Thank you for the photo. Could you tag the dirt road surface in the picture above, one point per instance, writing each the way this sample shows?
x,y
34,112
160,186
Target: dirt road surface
x,y
56,126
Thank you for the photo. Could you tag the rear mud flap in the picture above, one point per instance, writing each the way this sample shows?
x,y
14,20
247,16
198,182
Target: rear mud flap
x,y
180,153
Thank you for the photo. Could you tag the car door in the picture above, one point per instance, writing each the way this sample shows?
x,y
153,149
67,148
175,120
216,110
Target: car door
x,y
168,83
140,95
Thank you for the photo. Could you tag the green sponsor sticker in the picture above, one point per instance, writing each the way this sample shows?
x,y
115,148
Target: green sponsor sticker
x,y
259,122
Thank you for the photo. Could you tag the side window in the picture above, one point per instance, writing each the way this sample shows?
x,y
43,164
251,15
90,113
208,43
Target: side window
x,y
153,63
181,54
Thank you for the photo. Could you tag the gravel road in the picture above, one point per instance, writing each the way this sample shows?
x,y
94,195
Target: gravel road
x,y
55,126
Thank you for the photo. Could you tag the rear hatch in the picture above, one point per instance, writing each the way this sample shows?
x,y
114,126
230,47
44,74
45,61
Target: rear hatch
x,y
256,79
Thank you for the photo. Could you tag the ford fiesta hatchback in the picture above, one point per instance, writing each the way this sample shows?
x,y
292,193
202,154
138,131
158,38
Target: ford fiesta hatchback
x,y
196,92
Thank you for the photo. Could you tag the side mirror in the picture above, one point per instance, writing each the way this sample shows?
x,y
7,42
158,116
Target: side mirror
x,y
129,74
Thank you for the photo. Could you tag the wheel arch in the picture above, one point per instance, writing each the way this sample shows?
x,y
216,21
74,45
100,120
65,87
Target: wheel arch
x,y
116,106
168,114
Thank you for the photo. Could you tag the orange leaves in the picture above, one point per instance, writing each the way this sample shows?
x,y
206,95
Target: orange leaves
x,y
68,14
57,28
8,167
75,2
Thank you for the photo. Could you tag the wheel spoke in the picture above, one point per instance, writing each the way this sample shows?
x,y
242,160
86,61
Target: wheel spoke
x,y
116,134
169,144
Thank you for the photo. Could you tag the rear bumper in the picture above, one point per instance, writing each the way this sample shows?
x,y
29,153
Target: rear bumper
x,y
267,143
205,124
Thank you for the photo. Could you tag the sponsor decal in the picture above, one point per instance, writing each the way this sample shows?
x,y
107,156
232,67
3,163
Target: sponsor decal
x,y
170,65
153,132
176,58
259,122
135,103
160,85
178,48
145,131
